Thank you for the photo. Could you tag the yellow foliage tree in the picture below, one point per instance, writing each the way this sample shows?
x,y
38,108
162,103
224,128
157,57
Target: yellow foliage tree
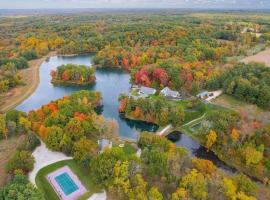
x,y
235,135
180,194
211,139
204,166
230,188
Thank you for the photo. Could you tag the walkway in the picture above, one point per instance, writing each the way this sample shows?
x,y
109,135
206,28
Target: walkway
x,y
44,157
98,196
215,95
160,133
194,120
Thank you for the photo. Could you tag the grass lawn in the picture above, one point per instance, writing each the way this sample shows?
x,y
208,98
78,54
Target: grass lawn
x,y
80,171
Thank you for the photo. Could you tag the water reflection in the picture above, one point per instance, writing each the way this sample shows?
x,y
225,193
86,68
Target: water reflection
x,y
110,82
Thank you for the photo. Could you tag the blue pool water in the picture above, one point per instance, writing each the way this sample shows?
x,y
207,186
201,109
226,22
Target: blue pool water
x,y
66,183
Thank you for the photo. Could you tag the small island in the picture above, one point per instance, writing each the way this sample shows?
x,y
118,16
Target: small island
x,y
74,75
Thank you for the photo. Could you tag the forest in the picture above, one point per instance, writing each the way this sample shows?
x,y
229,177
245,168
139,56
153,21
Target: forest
x,y
187,52
250,83
180,51
73,75
9,77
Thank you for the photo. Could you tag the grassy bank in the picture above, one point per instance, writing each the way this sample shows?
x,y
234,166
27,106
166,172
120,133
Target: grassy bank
x,y
30,78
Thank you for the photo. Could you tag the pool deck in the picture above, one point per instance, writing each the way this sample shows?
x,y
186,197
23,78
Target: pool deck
x,y
74,195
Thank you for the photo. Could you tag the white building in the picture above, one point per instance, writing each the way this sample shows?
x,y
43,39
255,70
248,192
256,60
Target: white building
x,y
104,143
167,92
146,91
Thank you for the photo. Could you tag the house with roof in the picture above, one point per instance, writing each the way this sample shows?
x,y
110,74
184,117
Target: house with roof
x,y
104,143
146,91
204,95
167,92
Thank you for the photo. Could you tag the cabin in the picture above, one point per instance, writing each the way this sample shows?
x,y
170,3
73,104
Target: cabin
x,y
104,143
167,92
204,95
146,91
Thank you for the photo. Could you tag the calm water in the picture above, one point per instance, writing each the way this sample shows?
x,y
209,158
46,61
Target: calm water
x,y
195,149
109,82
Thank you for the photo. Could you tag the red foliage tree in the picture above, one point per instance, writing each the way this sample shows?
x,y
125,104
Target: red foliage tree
x,y
53,73
80,116
65,76
126,64
123,103
161,75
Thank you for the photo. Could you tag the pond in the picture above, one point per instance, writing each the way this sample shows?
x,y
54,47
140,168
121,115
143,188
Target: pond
x,y
195,149
110,82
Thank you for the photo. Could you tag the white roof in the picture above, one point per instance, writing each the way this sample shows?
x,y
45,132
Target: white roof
x,y
203,94
147,90
168,91
104,143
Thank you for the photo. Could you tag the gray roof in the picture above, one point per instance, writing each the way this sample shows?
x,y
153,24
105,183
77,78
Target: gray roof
x,y
147,90
169,92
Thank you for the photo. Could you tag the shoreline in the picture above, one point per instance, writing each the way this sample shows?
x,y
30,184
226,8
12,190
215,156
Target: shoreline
x,y
30,77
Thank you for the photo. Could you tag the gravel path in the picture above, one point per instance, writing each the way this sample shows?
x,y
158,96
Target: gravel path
x,y
44,157
98,196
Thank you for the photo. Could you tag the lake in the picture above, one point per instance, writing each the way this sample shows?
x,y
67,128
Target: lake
x,y
110,82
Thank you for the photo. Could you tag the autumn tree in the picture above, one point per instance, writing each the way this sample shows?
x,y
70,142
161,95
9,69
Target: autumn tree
x,y
180,194
3,128
84,149
154,194
54,137
21,160
204,166
196,184
211,139
234,135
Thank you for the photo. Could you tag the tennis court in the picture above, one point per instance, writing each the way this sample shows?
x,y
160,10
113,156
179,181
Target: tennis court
x,y
66,183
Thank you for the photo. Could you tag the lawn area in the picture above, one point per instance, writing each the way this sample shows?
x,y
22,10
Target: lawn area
x,y
80,171
190,114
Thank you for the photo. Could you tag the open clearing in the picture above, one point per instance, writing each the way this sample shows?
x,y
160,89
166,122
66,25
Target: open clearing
x,y
250,113
261,57
7,149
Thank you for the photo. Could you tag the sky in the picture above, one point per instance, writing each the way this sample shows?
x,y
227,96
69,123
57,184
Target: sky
x,y
236,4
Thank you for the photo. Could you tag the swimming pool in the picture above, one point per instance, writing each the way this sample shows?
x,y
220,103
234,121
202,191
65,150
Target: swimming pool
x,y
66,183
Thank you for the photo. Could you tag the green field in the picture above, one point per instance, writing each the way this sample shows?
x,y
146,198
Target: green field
x,y
80,171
